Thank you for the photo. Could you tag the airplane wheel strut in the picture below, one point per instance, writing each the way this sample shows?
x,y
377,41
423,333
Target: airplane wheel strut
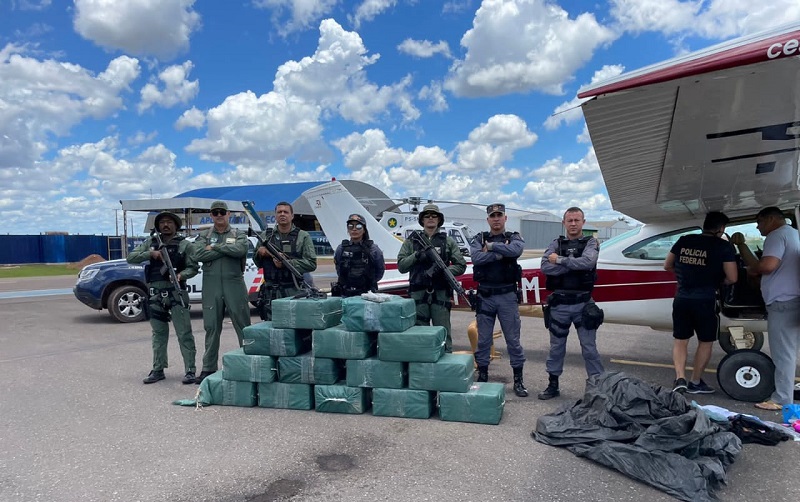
x,y
754,340
747,375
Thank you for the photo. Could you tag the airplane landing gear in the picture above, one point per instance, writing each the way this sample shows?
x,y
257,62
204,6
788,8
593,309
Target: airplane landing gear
x,y
738,338
747,375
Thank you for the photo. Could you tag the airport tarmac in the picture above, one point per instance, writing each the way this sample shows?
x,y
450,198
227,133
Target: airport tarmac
x,y
77,424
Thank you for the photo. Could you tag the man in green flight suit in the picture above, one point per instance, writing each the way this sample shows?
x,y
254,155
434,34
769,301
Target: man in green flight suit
x,y
297,246
163,303
223,251
428,287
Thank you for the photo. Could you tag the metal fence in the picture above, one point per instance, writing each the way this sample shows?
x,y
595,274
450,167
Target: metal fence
x,y
16,249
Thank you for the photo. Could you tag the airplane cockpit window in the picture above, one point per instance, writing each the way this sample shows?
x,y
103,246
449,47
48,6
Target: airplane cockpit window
x,y
752,237
456,235
623,236
657,247
468,233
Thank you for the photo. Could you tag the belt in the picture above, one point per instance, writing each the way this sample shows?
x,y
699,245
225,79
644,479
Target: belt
x,y
501,290
568,298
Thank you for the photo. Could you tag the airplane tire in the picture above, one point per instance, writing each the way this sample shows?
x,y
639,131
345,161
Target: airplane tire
x,y
755,339
747,375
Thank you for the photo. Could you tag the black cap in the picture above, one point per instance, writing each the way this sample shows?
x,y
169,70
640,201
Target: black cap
x,y
496,208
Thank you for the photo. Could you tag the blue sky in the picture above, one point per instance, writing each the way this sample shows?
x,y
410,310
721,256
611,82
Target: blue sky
x,y
102,100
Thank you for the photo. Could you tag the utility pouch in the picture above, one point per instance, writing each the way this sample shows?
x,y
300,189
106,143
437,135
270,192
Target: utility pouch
x,y
592,316
546,315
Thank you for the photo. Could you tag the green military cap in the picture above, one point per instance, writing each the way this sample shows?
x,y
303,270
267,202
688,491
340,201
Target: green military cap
x,y
167,214
430,208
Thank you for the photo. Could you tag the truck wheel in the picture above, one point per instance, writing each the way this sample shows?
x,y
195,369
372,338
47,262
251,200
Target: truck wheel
x,y
126,303
754,339
747,375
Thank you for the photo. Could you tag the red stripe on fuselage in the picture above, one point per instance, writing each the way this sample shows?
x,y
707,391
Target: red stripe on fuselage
x,y
779,46
611,286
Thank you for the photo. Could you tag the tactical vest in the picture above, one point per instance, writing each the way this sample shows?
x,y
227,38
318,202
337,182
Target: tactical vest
x,y
574,280
159,272
418,278
286,244
357,268
499,272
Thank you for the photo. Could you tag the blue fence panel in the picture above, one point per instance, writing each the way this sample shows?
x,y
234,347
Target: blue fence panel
x,y
78,247
20,249
53,248
17,249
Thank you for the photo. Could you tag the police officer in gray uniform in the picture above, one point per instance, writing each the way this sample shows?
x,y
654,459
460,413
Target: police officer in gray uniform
x,y
495,268
570,265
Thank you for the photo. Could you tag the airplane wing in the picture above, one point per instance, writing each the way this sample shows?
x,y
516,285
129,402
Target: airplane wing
x,y
717,129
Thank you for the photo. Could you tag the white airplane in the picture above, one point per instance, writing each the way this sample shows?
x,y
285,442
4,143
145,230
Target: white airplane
x,y
718,129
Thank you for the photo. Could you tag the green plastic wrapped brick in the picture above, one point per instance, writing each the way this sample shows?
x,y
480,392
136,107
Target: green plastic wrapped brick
x,y
403,403
482,404
306,313
339,343
451,373
241,367
421,344
262,339
292,396
341,399
309,369
373,372
396,314
215,390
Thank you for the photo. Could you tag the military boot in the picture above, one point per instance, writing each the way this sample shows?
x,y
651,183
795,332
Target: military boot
x,y
552,389
519,388
483,374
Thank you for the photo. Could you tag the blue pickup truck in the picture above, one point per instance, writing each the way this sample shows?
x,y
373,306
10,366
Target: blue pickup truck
x,y
119,286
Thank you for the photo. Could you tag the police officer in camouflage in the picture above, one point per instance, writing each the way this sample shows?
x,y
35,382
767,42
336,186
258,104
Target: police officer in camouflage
x,y
570,264
494,265
297,246
163,303
222,250
359,261
427,286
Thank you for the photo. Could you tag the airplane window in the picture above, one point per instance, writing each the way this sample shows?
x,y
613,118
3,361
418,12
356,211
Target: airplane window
x,y
468,233
752,237
657,247
250,249
456,235
623,236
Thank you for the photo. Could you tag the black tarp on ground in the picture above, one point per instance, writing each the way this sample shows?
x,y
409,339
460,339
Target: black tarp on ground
x,y
646,432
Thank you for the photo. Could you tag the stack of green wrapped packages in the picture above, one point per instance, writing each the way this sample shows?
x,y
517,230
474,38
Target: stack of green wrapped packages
x,y
348,355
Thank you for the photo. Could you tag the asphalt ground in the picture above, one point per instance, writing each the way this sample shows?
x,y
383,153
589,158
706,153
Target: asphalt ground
x,y
77,424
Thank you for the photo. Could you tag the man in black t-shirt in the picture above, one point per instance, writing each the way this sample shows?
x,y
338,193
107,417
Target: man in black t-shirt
x,y
701,262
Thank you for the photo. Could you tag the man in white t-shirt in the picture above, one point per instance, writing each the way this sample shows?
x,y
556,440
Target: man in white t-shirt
x,y
779,267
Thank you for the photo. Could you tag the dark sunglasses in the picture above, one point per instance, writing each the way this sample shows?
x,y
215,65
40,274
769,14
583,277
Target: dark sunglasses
x,y
219,212
354,226
430,215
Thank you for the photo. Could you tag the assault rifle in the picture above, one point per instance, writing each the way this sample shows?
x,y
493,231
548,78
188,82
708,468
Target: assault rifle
x,y
167,265
439,265
308,290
